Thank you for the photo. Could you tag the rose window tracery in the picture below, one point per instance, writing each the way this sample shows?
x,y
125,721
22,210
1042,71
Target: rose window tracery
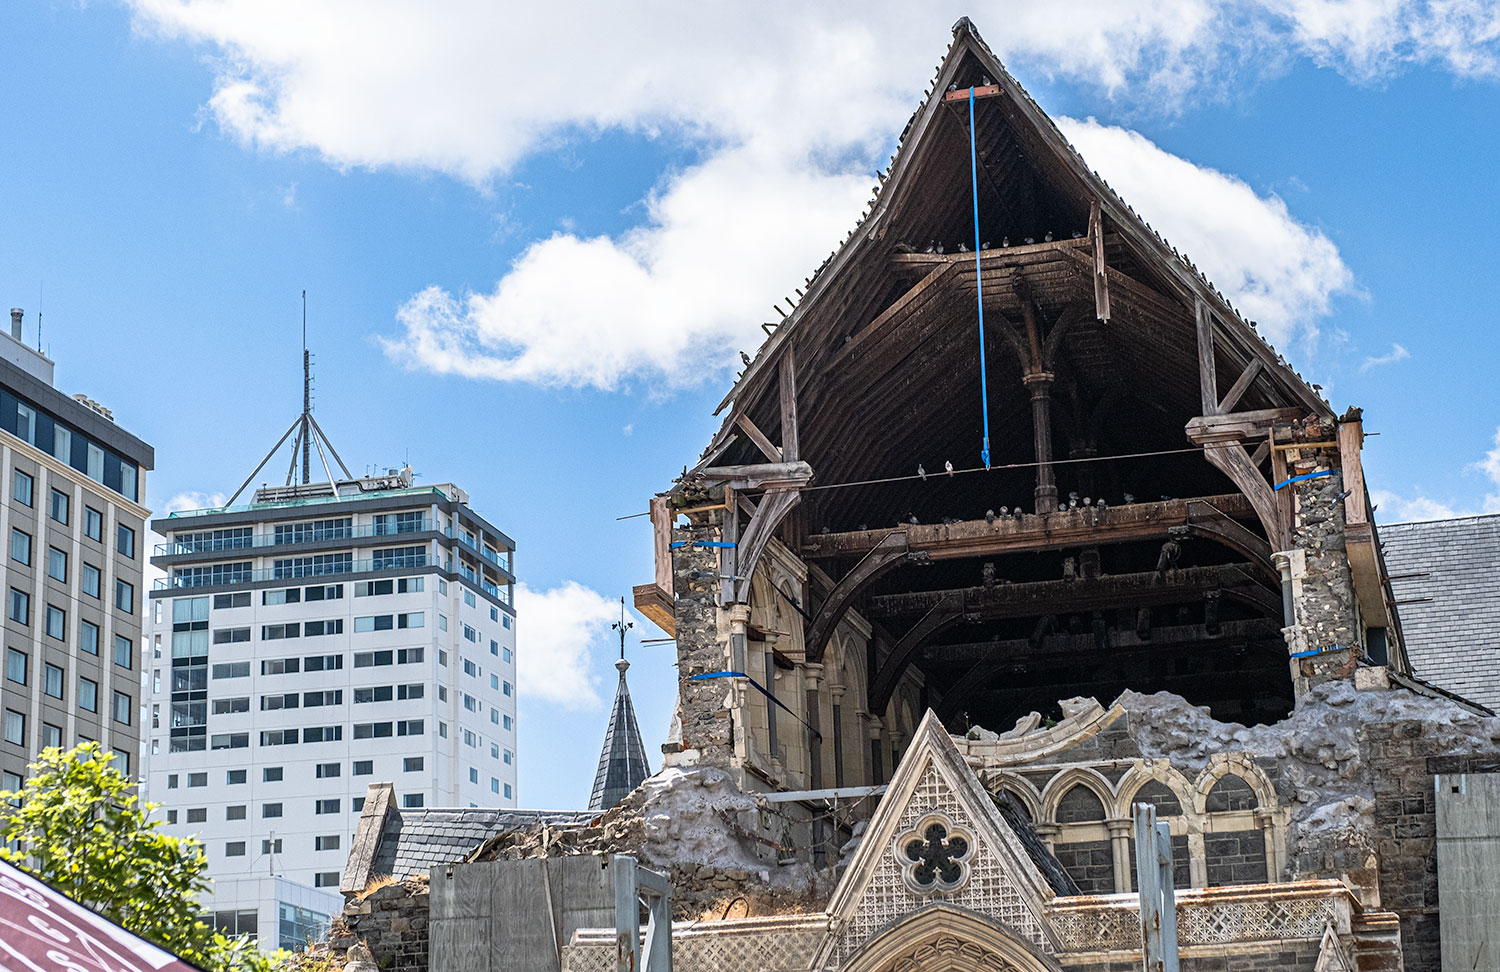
x,y
934,855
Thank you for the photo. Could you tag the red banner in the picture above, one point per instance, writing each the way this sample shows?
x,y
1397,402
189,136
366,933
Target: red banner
x,y
43,931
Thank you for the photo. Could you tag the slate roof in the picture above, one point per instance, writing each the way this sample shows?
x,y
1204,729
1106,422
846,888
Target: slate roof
x,y
414,841
1445,575
622,761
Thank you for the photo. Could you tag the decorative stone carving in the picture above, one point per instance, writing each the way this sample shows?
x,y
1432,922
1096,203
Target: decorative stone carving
x,y
934,855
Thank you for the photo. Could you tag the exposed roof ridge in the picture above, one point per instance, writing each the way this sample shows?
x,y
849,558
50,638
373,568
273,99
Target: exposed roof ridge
x,y
966,37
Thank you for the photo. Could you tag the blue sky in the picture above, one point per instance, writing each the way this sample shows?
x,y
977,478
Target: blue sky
x,y
532,253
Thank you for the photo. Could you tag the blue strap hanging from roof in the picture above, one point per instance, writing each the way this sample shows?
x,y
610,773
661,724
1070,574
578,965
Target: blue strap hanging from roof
x,y
984,394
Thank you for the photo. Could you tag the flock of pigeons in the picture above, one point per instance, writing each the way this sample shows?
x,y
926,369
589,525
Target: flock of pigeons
x,y
1074,502
933,246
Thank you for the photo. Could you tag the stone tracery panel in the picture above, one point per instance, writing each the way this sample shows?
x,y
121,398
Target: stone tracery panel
x,y
989,890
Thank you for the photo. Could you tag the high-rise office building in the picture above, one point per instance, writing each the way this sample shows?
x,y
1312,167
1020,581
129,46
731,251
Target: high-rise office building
x,y
73,524
322,637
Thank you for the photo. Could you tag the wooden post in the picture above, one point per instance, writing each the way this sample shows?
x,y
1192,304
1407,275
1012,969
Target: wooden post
x,y
1208,381
661,540
1045,495
788,388
1101,277
1153,871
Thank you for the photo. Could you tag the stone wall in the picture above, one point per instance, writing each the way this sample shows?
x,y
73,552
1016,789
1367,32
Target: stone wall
x,y
1406,827
391,921
1235,857
1090,863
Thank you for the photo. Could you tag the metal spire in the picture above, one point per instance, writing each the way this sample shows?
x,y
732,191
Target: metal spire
x,y
622,761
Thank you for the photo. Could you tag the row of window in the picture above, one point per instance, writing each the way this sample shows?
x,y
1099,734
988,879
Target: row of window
x,y
38,427
18,663
277,774
58,508
14,731
53,676
18,609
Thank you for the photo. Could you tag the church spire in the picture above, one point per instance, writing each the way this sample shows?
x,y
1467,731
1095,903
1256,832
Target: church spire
x,y
622,762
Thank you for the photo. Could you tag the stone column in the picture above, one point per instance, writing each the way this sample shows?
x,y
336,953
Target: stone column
x,y
898,747
877,749
739,624
771,706
1040,383
1325,637
1119,844
702,707
836,692
1048,832
1266,819
812,673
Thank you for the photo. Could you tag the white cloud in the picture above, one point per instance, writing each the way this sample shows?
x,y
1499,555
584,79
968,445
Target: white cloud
x,y
1395,508
789,107
556,629
1490,466
1275,270
194,500
1397,353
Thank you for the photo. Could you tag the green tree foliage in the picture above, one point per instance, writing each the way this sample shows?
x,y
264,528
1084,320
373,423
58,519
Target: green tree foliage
x,y
79,826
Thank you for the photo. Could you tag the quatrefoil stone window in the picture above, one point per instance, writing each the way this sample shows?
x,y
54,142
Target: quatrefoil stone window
x,y
934,855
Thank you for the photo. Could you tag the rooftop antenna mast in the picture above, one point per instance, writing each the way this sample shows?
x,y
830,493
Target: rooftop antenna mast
x,y
305,434
306,399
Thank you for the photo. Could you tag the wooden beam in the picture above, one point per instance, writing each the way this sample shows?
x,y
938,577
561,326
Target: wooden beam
x,y
1021,654
761,440
773,508
1101,269
1232,459
657,605
910,301
1203,429
1120,641
661,540
1240,386
888,552
1066,528
761,475
993,258
787,382
1208,381
1036,598
981,91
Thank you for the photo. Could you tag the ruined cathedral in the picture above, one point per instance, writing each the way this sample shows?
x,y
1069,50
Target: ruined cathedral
x,y
1012,523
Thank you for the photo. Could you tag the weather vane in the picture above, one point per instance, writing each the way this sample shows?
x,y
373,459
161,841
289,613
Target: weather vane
x,y
622,626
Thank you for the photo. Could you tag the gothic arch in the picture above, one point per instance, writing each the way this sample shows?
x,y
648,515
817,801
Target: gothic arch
x,y
1241,765
1020,787
1058,787
1159,771
945,938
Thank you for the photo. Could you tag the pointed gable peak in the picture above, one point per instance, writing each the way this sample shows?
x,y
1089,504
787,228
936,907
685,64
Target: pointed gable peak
x,y
937,838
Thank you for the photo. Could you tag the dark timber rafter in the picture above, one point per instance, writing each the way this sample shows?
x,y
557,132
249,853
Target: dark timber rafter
x,y
943,613
1031,533
887,553
1036,598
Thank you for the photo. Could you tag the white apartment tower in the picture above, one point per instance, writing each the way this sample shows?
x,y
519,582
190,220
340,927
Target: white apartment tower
x,y
320,638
